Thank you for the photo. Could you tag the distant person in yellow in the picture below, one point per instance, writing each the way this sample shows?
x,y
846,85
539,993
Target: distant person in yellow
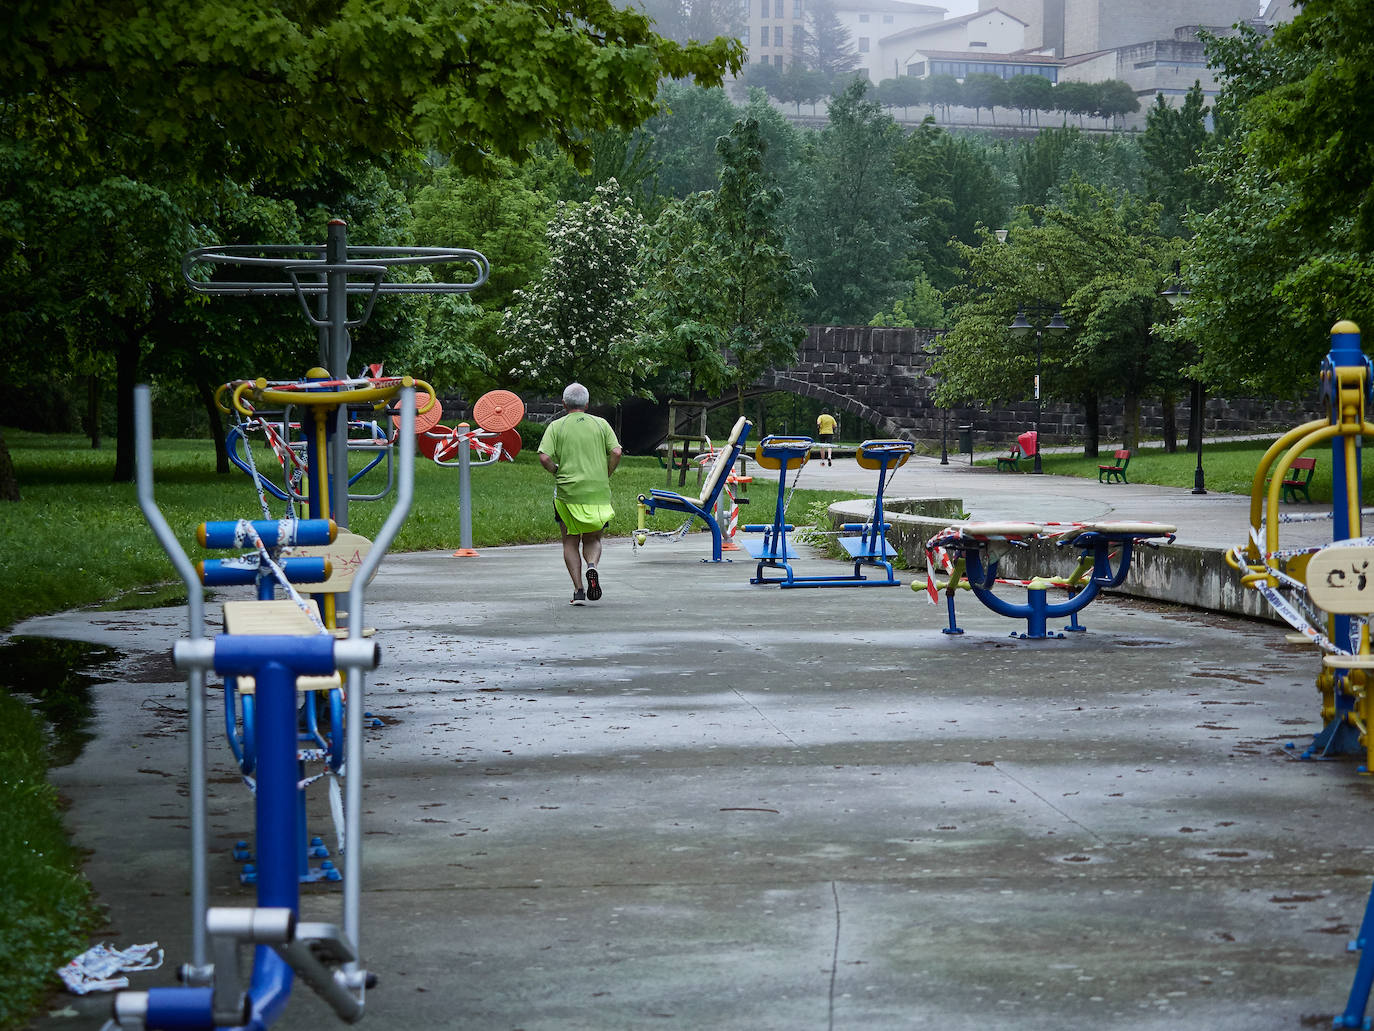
x,y
825,433
581,452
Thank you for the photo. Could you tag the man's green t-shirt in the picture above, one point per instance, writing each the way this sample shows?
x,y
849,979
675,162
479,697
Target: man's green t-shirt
x,y
579,443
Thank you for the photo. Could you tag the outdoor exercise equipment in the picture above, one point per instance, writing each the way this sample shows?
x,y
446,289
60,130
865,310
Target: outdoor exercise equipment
x,y
1326,593
497,412
704,505
1303,592
870,548
970,554
329,274
216,993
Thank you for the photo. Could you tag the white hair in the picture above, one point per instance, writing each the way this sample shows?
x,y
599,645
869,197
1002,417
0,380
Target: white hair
x,y
575,395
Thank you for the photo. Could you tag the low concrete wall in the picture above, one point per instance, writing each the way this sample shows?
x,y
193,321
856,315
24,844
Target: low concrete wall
x,y
1180,574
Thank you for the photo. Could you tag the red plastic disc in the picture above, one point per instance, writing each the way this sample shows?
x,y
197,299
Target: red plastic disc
x,y
510,445
498,410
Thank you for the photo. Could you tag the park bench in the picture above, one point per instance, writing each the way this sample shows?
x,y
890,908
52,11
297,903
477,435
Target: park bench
x,y
1011,462
1299,480
1116,472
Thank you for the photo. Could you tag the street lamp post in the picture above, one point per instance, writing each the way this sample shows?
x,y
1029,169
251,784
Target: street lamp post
x,y
1176,293
1021,326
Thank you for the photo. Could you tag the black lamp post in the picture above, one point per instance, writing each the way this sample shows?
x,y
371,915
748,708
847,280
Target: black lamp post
x,y
1021,326
1176,293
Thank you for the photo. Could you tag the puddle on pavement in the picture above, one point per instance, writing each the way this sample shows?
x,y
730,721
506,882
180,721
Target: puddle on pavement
x,y
51,675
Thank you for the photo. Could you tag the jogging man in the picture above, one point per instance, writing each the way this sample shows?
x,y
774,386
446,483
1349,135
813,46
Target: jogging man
x,y
581,452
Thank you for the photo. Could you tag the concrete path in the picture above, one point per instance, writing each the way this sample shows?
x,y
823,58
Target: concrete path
x,y
701,804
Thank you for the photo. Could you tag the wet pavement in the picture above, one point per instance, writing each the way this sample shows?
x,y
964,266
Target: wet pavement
x,y
704,804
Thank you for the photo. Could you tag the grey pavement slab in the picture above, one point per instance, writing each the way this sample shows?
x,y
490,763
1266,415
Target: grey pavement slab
x,y
704,804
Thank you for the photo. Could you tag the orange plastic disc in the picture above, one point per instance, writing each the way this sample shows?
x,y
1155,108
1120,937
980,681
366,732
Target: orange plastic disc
x,y
498,410
423,420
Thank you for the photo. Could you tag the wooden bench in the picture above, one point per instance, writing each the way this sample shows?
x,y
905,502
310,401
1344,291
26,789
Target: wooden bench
x,y
1011,463
1115,473
1299,480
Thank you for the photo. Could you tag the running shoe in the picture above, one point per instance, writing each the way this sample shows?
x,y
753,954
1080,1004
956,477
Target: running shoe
x,y
593,584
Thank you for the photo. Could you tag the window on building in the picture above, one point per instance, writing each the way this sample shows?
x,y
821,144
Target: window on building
x,y
798,8
863,19
863,44
798,37
777,35
744,36
744,8
777,60
976,43
764,7
778,6
887,19
916,68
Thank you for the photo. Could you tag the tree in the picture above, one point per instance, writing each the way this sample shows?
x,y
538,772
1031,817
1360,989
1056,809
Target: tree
x,y
686,20
175,101
763,285
684,133
1288,248
1173,143
852,215
904,91
1102,260
922,306
578,320
945,91
1029,93
826,44
986,91
1115,99
1076,98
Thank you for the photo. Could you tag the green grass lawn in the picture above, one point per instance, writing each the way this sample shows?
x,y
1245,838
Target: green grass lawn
x,y
1227,467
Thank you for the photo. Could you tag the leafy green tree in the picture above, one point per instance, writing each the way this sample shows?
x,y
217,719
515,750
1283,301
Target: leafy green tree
x,y
503,216
1114,100
1076,98
904,91
801,85
1288,248
684,132
957,184
1102,260
923,306
852,215
763,285
944,91
986,91
578,320
1030,93
177,100
1173,143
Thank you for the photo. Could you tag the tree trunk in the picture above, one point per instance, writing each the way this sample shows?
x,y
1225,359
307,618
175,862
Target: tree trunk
x,y
9,483
1169,403
93,410
1093,423
126,376
212,412
1130,430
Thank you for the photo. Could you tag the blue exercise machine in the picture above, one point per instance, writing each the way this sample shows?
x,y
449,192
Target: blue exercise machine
x,y
869,548
977,549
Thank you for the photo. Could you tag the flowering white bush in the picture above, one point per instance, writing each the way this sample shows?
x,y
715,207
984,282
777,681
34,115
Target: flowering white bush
x,y
578,321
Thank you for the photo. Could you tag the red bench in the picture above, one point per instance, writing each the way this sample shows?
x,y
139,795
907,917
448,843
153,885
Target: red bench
x,y
1115,473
